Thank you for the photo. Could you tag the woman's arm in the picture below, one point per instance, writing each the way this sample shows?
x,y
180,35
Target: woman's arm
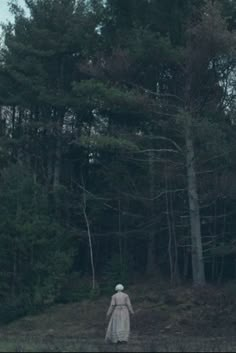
x,y
129,305
112,305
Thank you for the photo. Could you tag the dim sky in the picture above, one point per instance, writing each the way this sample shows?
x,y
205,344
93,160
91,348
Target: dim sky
x,y
4,12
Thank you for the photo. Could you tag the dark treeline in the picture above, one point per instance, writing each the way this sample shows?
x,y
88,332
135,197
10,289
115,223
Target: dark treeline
x,y
117,145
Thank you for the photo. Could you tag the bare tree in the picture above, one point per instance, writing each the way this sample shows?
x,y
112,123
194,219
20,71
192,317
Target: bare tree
x,y
87,222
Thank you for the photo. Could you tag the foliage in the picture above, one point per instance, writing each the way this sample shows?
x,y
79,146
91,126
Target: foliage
x,y
115,272
96,101
35,250
77,288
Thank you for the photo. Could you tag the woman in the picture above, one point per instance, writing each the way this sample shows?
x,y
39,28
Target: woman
x,y
119,325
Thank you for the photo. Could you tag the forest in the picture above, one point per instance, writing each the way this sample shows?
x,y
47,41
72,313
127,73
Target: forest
x,y
117,147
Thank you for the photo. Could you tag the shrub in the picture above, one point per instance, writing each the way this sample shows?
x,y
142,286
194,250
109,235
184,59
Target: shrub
x,y
76,288
35,253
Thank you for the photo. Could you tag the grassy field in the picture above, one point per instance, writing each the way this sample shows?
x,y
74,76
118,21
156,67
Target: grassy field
x,y
166,320
168,344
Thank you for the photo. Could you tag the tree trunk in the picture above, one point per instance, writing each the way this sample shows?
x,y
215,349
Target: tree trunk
x,y
120,234
57,165
197,252
59,118
2,122
176,278
151,264
90,241
171,261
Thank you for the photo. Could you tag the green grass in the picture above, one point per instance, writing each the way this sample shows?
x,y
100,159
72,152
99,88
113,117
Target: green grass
x,y
13,346
166,320
169,344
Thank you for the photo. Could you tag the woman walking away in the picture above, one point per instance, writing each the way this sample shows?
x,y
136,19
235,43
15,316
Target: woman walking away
x,y
118,330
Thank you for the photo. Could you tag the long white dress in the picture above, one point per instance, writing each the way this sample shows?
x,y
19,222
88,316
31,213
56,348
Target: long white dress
x,y
119,325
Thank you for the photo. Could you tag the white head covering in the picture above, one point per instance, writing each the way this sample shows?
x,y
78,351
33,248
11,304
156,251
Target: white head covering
x,y
119,288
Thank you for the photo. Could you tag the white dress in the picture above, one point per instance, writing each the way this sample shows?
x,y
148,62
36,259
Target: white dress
x,y
119,325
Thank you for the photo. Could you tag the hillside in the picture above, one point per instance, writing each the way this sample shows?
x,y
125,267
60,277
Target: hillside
x,y
166,319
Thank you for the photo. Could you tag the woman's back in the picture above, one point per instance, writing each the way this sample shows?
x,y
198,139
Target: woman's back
x,y
120,298
119,326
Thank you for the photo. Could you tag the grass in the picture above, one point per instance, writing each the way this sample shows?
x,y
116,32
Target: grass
x,y
170,344
166,320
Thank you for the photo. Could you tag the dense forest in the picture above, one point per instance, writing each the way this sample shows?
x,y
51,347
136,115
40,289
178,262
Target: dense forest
x,y
117,146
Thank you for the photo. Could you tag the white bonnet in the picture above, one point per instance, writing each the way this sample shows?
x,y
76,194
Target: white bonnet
x,y
119,288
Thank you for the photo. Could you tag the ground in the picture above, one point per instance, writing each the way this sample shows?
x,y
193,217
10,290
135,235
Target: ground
x,y
166,319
